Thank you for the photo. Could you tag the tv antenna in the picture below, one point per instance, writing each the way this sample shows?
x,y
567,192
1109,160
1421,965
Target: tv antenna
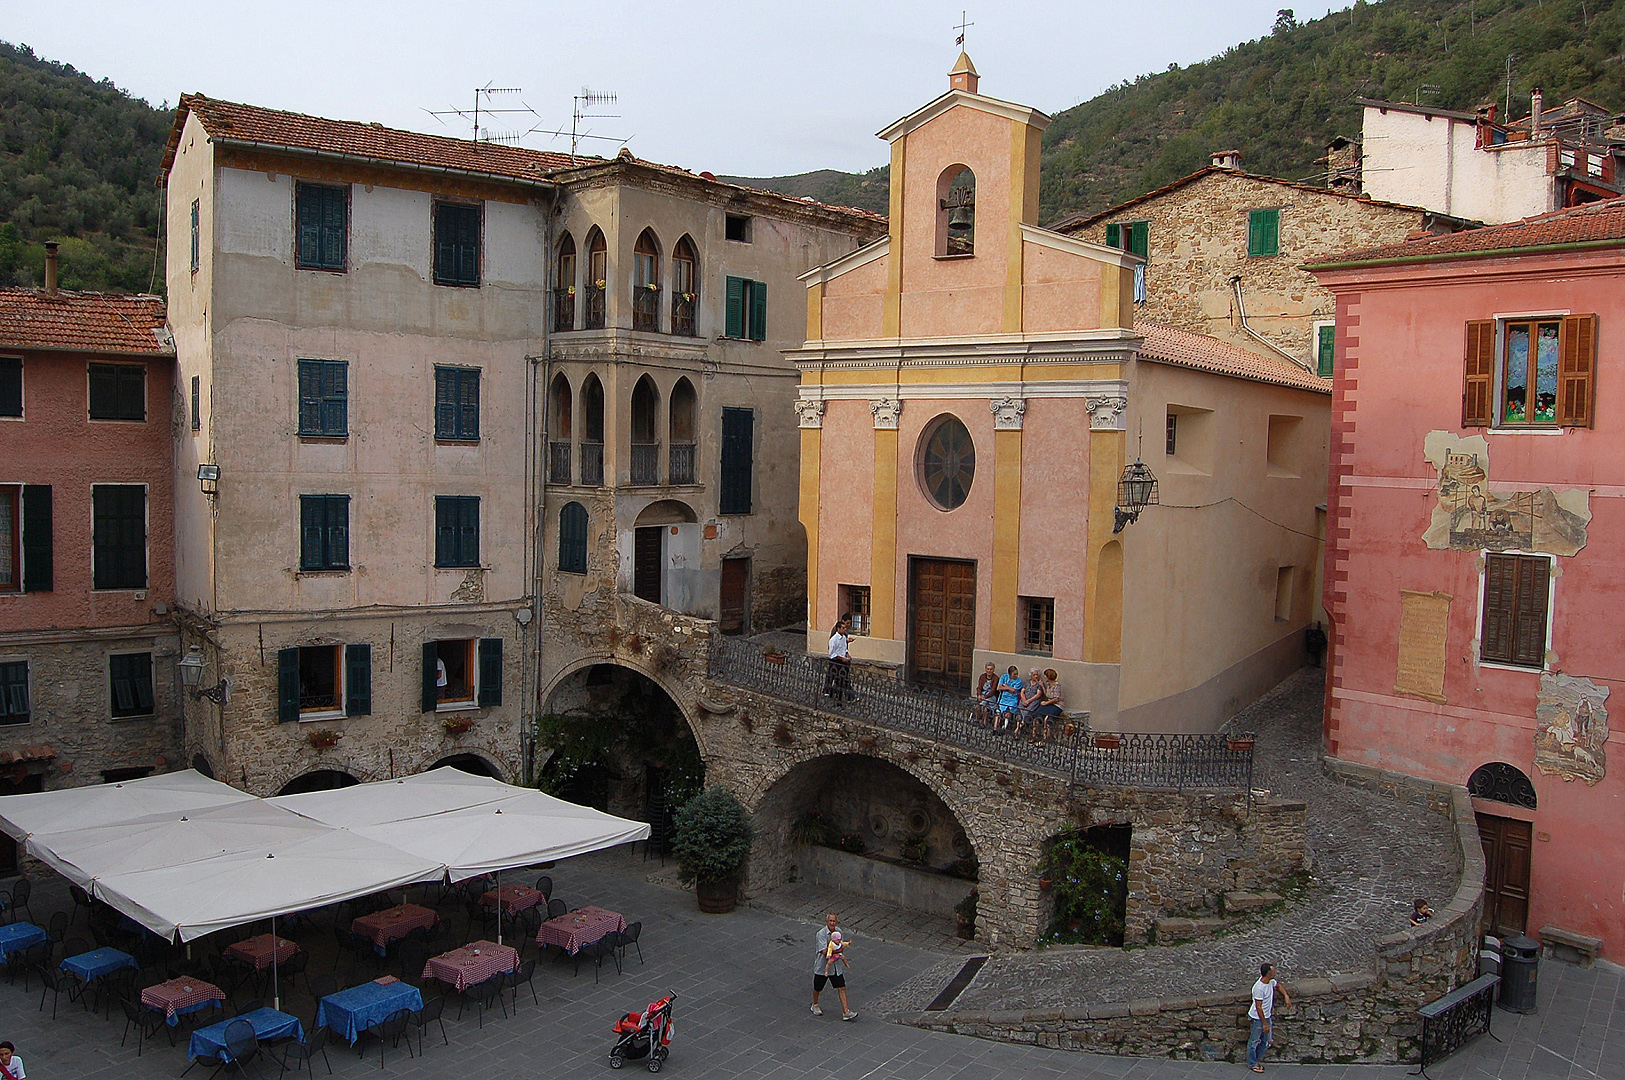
x,y
484,105
581,106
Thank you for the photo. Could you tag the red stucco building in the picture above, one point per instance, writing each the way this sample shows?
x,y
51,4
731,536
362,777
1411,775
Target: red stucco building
x,y
1475,558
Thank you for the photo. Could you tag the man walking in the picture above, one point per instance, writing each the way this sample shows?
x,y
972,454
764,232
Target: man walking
x,y
1262,1014
830,967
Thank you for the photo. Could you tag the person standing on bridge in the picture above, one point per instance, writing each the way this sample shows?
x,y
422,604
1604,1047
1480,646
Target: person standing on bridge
x,y
1262,1014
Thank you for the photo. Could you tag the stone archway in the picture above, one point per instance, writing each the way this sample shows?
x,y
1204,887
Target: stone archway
x,y
318,780
473,764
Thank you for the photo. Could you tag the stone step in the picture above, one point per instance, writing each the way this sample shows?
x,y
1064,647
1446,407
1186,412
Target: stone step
x,y
1237,903
1176,929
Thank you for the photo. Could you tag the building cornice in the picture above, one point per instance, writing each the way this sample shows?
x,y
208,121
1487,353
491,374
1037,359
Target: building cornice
x,y
1002,391
1072,245
1009,110
1106,346
862,256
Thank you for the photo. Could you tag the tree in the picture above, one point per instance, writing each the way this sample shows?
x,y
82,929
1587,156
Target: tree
x,y
1285,21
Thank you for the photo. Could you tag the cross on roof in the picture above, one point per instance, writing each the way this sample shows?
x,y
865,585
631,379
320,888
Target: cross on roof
x,y
960,40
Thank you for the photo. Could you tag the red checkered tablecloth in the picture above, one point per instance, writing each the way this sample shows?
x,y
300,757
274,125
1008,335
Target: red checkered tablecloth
x,y
258,951
473,963
392,924
580,927
515,898
178,994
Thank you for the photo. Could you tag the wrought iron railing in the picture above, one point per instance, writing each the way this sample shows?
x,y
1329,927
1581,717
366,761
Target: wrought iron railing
x,y
645,463
682,463
564,309
646,309
595,308
682,314
1176,762
558,461
1456,1019
592,464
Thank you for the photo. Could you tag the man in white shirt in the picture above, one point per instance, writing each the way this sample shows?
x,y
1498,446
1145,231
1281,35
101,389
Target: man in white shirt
x,y
1262,1014
11,1066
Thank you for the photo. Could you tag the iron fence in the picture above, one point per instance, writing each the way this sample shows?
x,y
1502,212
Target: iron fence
x,y
682,463
595,309
645,463
564,309
1150,761
592,464
646,309
558,461
682,314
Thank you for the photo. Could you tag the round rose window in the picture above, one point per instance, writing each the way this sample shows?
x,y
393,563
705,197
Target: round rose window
x,y
947,463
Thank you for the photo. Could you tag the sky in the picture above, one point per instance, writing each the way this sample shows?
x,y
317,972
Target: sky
x,y
734,88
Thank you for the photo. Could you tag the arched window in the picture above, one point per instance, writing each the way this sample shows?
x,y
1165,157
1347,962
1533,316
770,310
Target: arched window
x,y
947,462
683,410
564,285
956,211
1499,782
573,538
646,282
645,433
558,430
592,444
685,287
597,279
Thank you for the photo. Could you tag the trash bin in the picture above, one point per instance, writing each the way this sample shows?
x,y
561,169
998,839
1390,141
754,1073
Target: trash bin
x,y
1520,959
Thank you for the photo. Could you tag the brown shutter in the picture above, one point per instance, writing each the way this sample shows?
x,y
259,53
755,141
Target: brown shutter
x,y
1499,606
1529,633
1577,372
1475,394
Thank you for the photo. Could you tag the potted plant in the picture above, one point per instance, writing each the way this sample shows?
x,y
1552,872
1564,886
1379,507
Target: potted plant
x,y
774,656
457,725
914,850
711,841
1107,740
1242,742
965,917
324,738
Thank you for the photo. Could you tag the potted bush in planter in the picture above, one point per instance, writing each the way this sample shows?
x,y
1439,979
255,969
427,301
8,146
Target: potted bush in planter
x,y
914,850
965,916
711,841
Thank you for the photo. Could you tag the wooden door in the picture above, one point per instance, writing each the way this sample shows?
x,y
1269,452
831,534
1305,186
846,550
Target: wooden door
x,y
1506,873
646,549
942,622
734,604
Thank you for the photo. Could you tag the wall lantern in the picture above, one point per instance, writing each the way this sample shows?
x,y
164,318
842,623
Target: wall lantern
x,y
1135,491
209,479
191,668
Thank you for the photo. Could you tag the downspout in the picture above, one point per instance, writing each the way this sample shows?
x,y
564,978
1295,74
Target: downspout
x,y
1241,309
536,477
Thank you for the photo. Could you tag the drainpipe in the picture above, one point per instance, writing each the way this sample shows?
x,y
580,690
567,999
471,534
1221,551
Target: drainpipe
x,y
1241,308
50,268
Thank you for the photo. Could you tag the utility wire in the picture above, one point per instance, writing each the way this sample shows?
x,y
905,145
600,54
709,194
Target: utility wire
x,y
1244,506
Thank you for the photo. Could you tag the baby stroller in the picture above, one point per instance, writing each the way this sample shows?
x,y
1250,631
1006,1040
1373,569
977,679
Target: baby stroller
x,y
646,1034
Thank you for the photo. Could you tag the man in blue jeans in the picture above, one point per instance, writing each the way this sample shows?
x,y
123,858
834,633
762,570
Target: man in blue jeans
x,y
1262,1014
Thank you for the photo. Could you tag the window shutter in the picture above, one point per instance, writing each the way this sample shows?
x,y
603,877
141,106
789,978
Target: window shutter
x,y
737,438
1272,232
143,683
38,561
573,538
469,404
310,225
445,403
1114,235
1326,351
132,392
1529,633
310,395
334,417
734,309
1139,237
358,680
758,311
470,532
445,530
333,228
431,692
311,522
1499,607
103,392
1478,369
119,536
11,386
1577,372
287,685
490,671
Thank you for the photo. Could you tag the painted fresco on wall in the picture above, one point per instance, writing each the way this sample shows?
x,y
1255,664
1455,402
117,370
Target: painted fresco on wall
x,y
1472,515
1571,735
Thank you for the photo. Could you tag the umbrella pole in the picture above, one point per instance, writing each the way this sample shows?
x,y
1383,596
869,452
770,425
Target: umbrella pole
x,y
499,907
276,985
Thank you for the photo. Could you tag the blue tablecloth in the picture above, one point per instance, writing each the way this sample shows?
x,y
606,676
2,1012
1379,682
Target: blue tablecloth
x,y
348,1012
20,935
97,962
268,1024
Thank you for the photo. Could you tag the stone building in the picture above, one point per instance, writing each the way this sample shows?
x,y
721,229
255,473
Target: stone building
x,y
1224,251
88,688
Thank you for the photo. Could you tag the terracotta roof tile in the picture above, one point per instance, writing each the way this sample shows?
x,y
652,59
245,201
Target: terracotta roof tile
x,y
1593,223
1185,348
84,322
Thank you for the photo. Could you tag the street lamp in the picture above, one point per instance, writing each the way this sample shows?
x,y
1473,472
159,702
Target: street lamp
x,y
208,477
191,668
1135,491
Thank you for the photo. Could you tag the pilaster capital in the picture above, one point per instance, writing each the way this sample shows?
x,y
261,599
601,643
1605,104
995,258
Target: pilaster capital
x,y
886,411
810,412
1007,413
1107,413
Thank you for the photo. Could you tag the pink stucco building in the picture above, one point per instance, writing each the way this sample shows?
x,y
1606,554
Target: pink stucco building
x,y
1473,560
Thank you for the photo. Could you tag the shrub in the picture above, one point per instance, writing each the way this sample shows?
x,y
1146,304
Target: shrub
x,y
711,837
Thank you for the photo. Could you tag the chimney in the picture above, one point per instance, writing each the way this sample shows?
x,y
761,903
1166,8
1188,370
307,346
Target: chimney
x,y
1535,103
963,76
1226,159
50,267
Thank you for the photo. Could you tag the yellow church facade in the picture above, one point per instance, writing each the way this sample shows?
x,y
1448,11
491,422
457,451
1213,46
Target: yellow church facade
x,y
973,388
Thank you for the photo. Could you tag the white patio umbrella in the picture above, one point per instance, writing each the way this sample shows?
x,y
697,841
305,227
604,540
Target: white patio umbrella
x,y
106,804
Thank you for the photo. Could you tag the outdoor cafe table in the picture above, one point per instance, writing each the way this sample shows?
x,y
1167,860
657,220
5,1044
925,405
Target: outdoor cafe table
x,y
392,924
582,926
348,1012
473,963
515,898
20,935
182,995
258,951
268,1025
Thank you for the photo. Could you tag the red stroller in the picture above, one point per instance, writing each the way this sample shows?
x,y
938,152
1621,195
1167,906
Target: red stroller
x,y
646,1034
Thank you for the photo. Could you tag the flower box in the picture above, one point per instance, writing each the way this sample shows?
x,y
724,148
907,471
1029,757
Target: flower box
x,y
457,725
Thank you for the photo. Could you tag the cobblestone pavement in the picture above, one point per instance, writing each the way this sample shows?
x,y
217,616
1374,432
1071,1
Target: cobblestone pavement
x,y
1371,858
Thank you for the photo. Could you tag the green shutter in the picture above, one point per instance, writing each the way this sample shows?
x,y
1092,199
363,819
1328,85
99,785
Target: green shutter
x,y
490,671
309,226
758,311
1326,345
738,438
312,520
38,561
1139,236
287,685
338,532
431,692
1263,232
196,236
734,309
1114,235
573,538
358,680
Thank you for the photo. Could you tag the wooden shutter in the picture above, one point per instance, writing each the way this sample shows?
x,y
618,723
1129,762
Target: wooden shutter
x,y
287,685
1139,238
1478,369
1326,350
335,415
38,560
103,392
1114,235
431,692
312,525
734,309
468,405
758,311
445,530
334,212
738,429
490,671
1500,607
1529,625
445,403
468,531
11,386
573,538
1577,372
310,225
119,536
358,680
337,548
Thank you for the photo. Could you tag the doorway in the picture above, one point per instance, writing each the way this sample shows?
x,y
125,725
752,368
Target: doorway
x,y
1506,873
646,548
16,785
942,622
734,605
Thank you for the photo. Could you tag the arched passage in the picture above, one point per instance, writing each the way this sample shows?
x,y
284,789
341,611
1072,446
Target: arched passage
x,y
319,780
470,763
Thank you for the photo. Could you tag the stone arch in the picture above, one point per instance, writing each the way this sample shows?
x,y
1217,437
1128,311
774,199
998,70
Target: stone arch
x,y
318,780
665,512
473,764
201,763
956,211
560,409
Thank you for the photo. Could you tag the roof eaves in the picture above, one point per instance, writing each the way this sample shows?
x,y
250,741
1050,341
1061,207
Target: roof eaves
x,y
541,181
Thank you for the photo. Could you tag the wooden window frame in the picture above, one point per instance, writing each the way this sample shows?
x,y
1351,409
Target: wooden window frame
x,y
107,575
11,533
116,393
744,309
1037,622
455,276
11,387
1138,239
1263,233
1325,346
324,533
1506,636
573,543
736,495
335,655
320,200
1484,372
197,235
324,399
452,515
457,417
134,671
857,601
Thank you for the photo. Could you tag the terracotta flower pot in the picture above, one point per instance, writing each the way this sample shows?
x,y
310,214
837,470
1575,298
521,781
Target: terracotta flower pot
x,y
775,657
1045,884
1107,741
1240,744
